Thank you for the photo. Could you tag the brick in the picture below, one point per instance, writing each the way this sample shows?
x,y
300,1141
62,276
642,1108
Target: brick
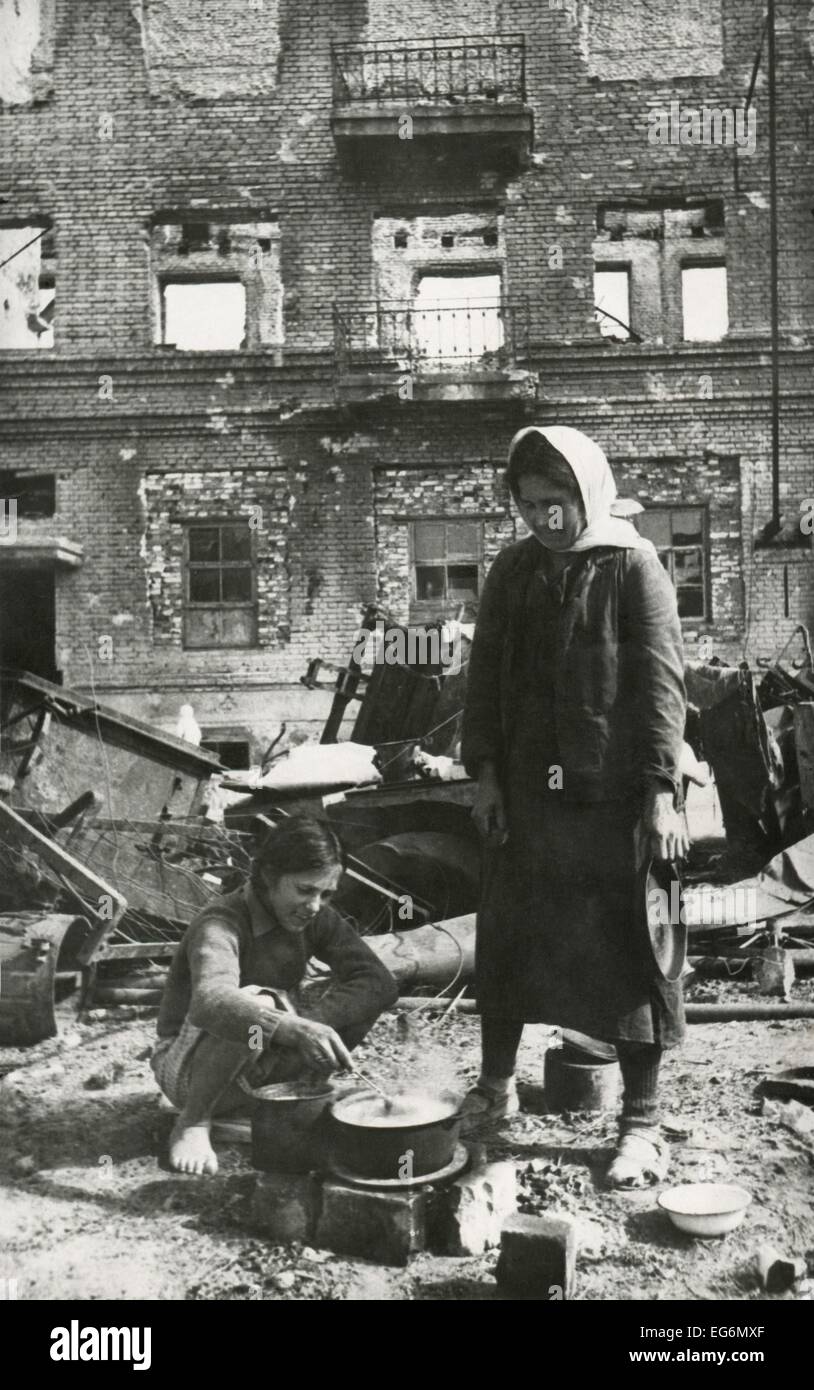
x,y
286,1205
537,1257
387,1227
469,1214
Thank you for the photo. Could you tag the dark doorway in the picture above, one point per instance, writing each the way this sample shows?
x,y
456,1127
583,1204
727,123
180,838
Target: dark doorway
x,y
28,619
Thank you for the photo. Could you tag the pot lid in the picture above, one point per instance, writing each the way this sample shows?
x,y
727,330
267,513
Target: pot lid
x,y
660,905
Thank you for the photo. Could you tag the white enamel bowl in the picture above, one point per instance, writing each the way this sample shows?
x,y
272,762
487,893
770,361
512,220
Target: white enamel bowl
x,y
705,1208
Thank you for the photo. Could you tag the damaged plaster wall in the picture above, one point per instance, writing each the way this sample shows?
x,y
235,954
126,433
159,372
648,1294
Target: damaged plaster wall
x,y
174,500
392,19
201,49
21,323
26,51
477,245
628,40
471,490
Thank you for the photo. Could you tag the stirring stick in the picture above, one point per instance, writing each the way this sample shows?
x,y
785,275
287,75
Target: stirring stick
x,y
388,1100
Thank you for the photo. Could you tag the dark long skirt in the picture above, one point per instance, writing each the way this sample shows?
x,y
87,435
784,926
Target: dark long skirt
x,y
556,941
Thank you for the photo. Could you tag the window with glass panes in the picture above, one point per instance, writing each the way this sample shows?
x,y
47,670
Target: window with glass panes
x,y
220,608
679,535
447,558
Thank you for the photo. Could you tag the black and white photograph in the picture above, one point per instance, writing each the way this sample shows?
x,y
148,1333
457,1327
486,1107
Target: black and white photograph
x,y
406,672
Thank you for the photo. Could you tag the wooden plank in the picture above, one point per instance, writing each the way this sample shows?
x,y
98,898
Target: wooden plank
x,y
70,704
136,950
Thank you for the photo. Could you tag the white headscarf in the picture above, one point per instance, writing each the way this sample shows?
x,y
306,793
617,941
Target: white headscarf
x,y
604,512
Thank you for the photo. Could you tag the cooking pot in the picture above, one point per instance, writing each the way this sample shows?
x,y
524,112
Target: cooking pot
x,y
288,1127
415,1137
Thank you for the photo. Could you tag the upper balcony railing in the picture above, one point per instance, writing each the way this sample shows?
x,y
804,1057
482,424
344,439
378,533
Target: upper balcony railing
x,y
440,336
486,68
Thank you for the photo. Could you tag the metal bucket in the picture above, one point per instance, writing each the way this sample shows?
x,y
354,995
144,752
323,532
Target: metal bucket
x,y
580,1085
288,1128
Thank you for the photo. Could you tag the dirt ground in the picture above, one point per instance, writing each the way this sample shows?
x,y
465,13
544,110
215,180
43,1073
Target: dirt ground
x,y
90,1211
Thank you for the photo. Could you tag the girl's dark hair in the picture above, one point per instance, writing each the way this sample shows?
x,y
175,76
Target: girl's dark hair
x,y
535,457
298,845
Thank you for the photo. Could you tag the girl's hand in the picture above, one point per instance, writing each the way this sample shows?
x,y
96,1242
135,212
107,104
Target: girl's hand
x,y
663,827
319,1046
488,810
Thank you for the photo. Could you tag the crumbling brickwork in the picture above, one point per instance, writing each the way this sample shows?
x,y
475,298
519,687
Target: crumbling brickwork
x,y
406,247
127,123
475,490
172,501
208,251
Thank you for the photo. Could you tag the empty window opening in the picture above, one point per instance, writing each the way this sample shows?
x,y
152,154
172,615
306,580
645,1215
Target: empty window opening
x,y
458,316
705,303
217,284
27,287
220,586
655,240
204,315
47,308
612,302
400,240
35,493
447,558
447,240
678,533
232,753
490,238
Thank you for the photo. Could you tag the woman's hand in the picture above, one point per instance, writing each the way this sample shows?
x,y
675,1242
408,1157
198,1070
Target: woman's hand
x,y
663,827
488,810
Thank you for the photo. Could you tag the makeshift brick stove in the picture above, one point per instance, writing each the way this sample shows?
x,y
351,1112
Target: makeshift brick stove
x,y
345,1203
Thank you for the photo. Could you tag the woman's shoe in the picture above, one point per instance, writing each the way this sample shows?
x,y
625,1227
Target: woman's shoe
x,y
482,1106
640,1160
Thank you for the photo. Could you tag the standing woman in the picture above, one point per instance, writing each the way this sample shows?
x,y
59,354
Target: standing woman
x,y
573,727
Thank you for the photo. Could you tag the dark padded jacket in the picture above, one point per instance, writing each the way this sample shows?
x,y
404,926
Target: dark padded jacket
x,y
619,700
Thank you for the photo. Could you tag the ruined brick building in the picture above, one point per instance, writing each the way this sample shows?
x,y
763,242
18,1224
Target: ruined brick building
x,y
282,277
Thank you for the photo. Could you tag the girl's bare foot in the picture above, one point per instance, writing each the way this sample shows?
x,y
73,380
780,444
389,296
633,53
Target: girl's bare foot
x,y
190,1149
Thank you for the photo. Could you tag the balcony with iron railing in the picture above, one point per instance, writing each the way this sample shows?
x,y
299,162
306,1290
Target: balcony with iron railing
x,y
445,89
449,337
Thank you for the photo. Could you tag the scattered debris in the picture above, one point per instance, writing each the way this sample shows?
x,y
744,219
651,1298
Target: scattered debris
x,y
792,1116
546,1183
